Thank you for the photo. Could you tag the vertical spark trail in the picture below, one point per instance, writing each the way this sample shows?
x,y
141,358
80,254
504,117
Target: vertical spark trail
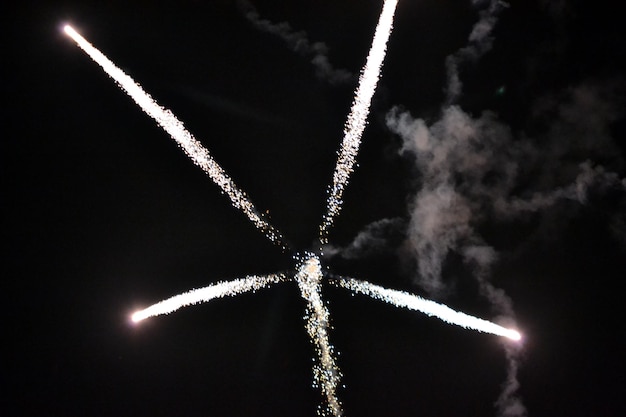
x,y
201,295
355,124
175,128
428,307
326,374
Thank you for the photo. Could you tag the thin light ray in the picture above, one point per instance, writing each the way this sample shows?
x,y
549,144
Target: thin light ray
x,y
428,307
357,118
202,295
175,128
308,273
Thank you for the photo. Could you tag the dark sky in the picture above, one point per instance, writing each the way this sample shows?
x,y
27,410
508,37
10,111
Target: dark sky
x,y
103,214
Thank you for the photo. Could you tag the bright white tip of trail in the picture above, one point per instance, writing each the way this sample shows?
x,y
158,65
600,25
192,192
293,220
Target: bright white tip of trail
x,y
355,124
428,307
201,295
326,374
175,128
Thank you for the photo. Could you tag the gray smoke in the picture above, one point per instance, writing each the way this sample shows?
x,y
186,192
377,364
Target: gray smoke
x,y
479,42
373,239
509,403
315,52
475,169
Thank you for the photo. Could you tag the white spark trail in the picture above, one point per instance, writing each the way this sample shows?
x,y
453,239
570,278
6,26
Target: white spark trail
x,y
202,295
428,307
326,374
355,124
175,128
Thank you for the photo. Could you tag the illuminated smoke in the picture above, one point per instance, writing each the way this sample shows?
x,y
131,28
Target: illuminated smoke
x,y
325,372
428,307
174,127
202,295
356,121
509,403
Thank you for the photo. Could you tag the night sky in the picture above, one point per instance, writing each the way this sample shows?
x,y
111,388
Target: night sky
x,y
103,214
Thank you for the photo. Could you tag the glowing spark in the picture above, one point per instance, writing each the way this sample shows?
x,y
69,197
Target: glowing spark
x,y
309,273
175,128
325,373
355,124
201,295
428,307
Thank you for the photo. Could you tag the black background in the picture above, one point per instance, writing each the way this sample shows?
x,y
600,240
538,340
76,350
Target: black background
x,y
103,214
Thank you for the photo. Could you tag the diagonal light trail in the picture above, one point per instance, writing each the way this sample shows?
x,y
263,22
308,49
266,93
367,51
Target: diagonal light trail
x,y
175,128
428,307
308,274
357,118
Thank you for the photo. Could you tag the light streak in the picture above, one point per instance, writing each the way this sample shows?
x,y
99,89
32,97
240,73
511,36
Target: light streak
x,y
326,374
428,307
202,295
309,273
175,128
355,124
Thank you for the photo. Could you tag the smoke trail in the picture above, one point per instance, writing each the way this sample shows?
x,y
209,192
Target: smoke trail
x,y
175,128
428,307
589,178
480,258
325,373
355,123
475,171
375,238
509,404
298,42
202,295
480,41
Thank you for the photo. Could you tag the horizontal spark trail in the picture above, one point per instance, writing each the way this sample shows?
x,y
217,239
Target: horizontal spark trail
x,y
201,295
355,124
175,128
428,307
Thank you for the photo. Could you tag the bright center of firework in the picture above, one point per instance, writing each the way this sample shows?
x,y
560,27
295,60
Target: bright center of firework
x,y
311,267
514,335
69,30
309,273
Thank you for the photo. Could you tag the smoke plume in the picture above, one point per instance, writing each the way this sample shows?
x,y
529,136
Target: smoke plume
x,y
475,169
298,41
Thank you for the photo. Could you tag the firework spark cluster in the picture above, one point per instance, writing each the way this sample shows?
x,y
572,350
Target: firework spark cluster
x,y
326,374
308,273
